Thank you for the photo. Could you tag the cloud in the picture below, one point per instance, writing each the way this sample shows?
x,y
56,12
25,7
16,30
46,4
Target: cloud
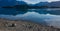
x,y
37,1
34,1
18,0
52,0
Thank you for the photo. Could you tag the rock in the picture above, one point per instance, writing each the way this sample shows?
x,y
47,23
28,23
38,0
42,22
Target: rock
x,y
8,25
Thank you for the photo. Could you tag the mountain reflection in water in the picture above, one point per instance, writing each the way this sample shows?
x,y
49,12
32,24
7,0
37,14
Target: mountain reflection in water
x,y
41,16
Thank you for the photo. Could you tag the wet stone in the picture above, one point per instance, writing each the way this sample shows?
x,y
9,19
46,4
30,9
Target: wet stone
x,y
10,25
30,27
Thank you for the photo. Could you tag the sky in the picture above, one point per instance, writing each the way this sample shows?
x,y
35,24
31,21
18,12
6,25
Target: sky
x,y
37,1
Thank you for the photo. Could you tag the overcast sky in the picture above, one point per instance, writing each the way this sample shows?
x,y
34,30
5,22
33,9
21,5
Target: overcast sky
x,y
36,1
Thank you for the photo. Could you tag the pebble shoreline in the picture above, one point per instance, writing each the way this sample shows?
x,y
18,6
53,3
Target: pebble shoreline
x,y
8,25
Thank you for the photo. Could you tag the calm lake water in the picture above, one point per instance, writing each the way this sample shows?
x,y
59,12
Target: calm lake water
x,y
50,16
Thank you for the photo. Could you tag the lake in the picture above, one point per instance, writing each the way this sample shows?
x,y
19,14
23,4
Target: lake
x,y
45,16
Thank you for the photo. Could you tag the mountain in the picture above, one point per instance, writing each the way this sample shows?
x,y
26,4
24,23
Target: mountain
x,y
42,4
21,3
21,6
54,4
7,3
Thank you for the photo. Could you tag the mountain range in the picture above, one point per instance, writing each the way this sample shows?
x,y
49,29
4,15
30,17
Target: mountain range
x,y
21,3
14,2
51,4
7,3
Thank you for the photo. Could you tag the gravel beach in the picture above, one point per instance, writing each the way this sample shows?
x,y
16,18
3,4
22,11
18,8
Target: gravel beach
x,y
15,25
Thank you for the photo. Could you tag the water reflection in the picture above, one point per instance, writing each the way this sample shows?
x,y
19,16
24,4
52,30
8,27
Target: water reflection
x,y
40,11
54,11
41,16
11,11
33,17
14,11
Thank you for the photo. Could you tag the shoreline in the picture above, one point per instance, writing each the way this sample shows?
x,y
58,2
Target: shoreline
x,y
12,25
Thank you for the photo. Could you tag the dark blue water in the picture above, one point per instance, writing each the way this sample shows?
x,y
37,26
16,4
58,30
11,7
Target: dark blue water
x,y
41,16
14,11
